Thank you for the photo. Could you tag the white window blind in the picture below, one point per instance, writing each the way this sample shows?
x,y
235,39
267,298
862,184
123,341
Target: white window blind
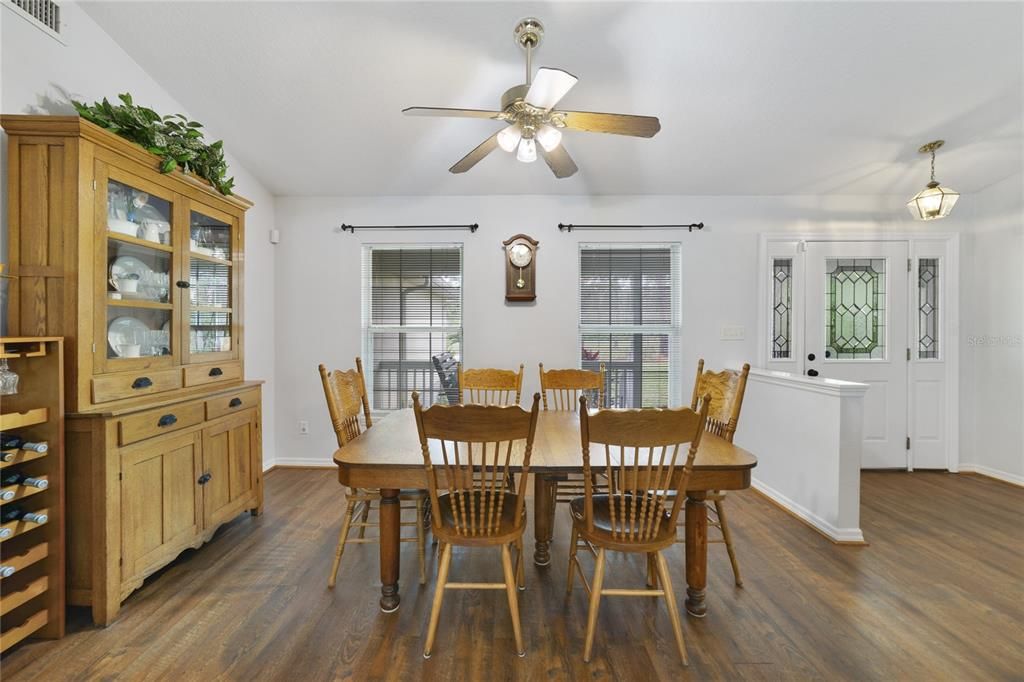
x,y
630,321
412,311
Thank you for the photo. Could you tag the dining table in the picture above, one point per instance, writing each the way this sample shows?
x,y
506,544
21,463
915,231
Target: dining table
x,y
388,457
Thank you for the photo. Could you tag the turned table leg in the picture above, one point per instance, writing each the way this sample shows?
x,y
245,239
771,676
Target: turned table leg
x,y
390,518
543,518
696,554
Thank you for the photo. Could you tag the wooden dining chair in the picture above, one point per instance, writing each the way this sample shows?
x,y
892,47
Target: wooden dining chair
x,y
490,386
345,391
725,390
560,390
642,458
469,451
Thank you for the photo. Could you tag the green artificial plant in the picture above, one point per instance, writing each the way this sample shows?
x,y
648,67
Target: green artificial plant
x,y
174,138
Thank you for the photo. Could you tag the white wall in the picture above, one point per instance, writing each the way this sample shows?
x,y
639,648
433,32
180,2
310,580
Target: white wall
x,y
39,75
992,347
318,277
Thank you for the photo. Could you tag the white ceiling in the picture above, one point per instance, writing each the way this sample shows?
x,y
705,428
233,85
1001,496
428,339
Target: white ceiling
x,y
754,98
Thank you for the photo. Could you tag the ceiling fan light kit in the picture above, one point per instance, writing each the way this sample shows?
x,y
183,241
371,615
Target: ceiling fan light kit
x,y
934,201
533,125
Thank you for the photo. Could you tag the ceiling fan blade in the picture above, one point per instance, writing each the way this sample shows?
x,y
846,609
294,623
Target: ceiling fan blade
x,y
474,157
617,124
443,111
548,87
559,161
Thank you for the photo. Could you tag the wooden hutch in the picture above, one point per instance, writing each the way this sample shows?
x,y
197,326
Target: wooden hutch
x,y
141,273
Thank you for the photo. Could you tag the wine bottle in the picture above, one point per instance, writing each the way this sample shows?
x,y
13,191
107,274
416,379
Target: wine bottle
x,y
22,479
6,533
7,571
6,495
35,447
19,514
8,455
8,442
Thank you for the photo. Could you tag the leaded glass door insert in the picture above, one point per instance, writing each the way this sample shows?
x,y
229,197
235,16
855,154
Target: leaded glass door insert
x,y
855,308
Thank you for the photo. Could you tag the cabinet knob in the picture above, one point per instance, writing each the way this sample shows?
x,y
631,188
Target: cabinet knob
x,y
142,382
216,372
235,402
167,420
205,478
182,284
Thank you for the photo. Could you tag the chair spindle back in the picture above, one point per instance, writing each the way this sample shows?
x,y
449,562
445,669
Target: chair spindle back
x,y
643,465
567,385
475,447
726,389
345,391
490,386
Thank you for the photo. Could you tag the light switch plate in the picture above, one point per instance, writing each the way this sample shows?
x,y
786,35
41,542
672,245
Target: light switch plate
x,y
733,333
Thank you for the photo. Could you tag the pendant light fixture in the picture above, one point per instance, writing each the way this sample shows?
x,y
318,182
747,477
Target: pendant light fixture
x,y
934,201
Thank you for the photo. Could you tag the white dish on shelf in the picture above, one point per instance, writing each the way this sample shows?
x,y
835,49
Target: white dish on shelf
x,y
126,332
124,266
122,226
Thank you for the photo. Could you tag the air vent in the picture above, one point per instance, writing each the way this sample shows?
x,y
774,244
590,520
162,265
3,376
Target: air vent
x,y
44,14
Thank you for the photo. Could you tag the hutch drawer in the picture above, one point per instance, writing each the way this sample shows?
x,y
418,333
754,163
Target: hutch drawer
x,y
134,384
231,402
159,421
200,375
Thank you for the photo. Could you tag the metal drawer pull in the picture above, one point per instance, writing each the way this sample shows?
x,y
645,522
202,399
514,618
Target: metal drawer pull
x,y
204,479
167,420
235,402
142,382
216,372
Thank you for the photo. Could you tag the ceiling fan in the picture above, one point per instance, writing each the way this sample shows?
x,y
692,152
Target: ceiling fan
x,y
534,125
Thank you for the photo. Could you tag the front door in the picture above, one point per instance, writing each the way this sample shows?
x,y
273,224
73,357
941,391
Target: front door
x,y
855,328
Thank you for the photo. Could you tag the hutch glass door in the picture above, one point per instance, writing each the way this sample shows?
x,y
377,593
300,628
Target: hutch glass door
x,y
211,285
136,269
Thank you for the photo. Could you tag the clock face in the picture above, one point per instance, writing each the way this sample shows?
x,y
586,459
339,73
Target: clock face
x,y
520,255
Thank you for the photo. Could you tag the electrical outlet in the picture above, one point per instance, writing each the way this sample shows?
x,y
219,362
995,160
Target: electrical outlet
x,y
304,427
733,333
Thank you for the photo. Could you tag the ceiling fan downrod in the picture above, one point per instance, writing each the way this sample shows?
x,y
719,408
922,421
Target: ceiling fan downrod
x,y
527,34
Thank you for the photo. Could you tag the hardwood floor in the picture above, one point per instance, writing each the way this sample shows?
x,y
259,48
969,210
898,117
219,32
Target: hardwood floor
x,y
938,594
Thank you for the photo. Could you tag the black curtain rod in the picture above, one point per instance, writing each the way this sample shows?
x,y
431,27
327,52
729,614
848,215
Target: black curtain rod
x,y
353,228
563,227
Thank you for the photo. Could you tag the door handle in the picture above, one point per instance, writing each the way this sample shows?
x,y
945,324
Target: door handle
x,y
810,356
812,372
182,284
205,478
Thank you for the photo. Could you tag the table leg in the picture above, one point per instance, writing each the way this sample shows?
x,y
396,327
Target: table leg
x,y
390,526
696,554
543,518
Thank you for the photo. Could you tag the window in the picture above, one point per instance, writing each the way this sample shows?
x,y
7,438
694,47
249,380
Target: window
x,y
629,320
412,310
928,308
782,308
855,308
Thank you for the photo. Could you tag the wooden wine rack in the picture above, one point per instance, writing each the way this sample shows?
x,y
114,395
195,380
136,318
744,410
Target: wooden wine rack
x,y
32,597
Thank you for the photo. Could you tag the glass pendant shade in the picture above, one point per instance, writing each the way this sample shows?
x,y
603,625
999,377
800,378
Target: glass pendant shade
x,y
933,202
548,137
509,137
527,151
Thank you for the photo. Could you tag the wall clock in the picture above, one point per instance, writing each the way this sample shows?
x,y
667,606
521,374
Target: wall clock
x,y
520,268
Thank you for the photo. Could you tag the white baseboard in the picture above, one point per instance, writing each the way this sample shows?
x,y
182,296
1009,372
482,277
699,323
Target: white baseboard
x,y
317,462
1015,479
841,535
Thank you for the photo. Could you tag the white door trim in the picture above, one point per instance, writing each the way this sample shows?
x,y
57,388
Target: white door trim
x,y
771,242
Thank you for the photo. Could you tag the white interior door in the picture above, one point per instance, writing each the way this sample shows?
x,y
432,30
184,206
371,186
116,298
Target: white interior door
x,y
855,328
